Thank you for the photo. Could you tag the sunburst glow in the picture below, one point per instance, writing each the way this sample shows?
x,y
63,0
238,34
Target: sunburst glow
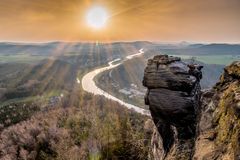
x,y
97,17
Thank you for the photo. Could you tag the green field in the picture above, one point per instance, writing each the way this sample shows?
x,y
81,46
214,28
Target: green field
x,y
43,98
212,59
20,58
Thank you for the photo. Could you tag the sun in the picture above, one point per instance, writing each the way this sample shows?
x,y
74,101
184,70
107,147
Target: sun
x,y
97,17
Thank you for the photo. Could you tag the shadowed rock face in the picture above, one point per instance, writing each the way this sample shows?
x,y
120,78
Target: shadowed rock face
x,y
176,112
219,123
173,97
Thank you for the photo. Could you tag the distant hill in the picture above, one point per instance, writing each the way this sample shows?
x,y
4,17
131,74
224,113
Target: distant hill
x,y
7,48
53,48
19,48
201,49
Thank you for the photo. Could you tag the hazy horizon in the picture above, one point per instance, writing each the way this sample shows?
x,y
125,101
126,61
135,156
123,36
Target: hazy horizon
x,y
119,41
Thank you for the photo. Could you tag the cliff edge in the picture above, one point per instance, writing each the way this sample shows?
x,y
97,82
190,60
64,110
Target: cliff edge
x,y
219,125
190,123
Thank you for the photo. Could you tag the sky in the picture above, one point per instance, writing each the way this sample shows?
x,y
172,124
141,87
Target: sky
x,y
129,20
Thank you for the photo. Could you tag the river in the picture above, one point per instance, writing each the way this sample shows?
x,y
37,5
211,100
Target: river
x,y
90,86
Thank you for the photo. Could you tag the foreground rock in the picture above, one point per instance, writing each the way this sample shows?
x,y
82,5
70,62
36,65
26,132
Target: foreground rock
x,y
173,98
215,125
219,126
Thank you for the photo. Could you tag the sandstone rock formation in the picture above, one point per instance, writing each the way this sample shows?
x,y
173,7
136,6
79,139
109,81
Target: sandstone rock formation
x,y
219,125
173,98
192,129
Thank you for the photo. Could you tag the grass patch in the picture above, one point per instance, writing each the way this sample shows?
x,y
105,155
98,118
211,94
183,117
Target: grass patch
x,y
20,58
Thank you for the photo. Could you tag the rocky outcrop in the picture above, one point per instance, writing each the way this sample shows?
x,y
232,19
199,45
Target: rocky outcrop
x,y
192,129
173,99
219,126
156,150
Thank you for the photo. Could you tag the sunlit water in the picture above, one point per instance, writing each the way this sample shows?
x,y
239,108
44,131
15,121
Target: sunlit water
x,y
90,86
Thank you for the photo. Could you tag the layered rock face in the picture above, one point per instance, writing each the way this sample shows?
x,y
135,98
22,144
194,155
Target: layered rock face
x,y
173,98
187,128
219,125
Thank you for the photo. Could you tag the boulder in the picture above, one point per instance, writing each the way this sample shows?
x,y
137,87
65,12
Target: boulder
x,y
173,97
170,73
